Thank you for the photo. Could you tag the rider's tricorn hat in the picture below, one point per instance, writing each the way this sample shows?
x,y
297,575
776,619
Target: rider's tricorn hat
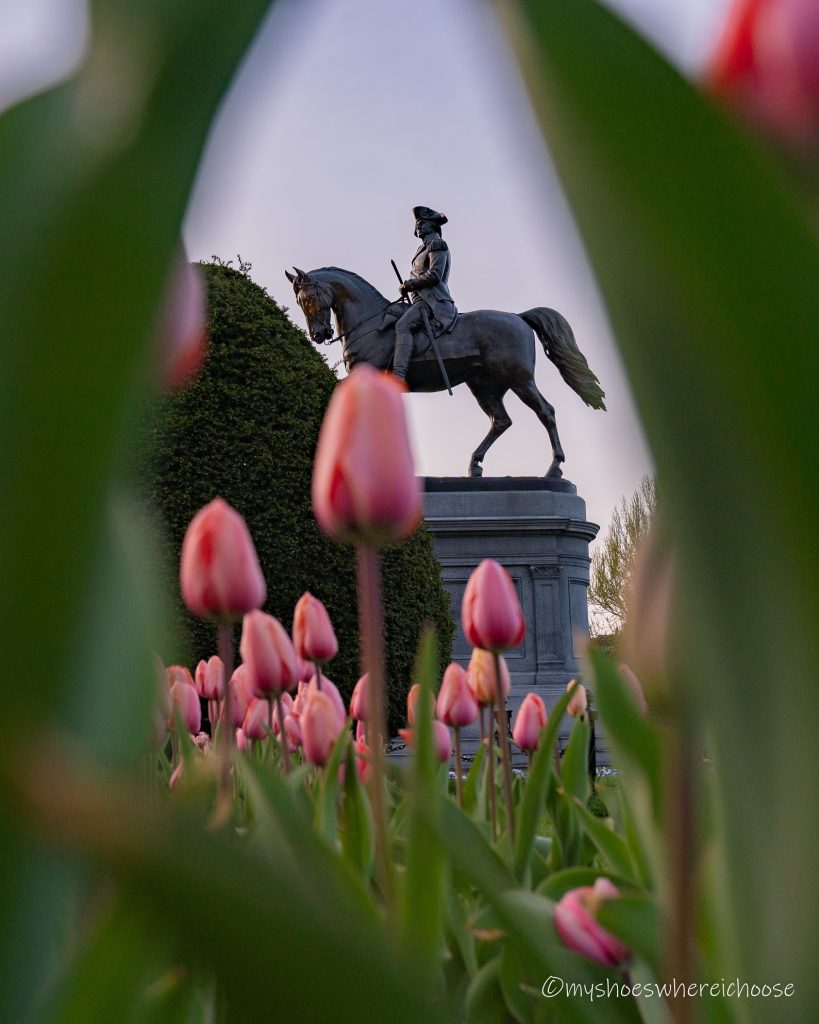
x,y
424,213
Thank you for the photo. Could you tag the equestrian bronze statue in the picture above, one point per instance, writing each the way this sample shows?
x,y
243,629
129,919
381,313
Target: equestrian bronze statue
x,y
489,351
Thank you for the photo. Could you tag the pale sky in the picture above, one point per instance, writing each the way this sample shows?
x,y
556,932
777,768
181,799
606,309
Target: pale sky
x,y
346,114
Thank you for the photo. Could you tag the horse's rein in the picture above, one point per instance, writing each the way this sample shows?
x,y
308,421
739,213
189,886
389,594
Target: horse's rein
x,y
346,334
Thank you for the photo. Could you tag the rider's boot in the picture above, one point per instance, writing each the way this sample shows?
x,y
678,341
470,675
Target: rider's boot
x,y
403,353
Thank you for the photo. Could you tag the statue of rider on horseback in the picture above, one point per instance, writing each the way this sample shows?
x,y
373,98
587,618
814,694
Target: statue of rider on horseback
x,y
427,288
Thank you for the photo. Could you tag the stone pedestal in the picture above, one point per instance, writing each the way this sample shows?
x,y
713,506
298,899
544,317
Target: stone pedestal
x,y
537,529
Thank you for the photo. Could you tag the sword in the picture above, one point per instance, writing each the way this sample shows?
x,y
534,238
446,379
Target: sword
x,y
430,335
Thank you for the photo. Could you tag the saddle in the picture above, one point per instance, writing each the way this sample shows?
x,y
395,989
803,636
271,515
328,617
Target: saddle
x,y
449,345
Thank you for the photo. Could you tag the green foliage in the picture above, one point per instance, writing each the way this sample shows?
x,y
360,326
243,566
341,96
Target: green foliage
x,y
613,558
246,429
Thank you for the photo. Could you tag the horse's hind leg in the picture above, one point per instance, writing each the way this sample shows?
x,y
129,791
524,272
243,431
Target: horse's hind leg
x,y
529,394
490,399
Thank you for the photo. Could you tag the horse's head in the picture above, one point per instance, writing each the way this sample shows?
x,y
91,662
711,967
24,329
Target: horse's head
x,y
315,300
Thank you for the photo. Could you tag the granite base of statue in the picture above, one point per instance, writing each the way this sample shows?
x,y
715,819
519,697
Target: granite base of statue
x,y
536,527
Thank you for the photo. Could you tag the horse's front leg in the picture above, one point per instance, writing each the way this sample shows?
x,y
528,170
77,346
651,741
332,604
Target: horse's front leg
x,y
490,399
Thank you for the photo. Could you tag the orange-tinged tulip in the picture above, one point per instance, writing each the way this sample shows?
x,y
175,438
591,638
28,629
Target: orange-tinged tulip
x,y
490,611
313,635
456,704
578,702
320,727
219,571
186,704
268,654
480,676
210,678
529,722
576,924
412,703
330,690
359,704
178,674
441,740
364,482
362,759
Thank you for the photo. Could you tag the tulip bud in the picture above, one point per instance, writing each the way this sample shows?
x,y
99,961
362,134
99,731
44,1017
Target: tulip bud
x,y
441,740
320,727
767,65
178,674
186,704
306,671
210,678
359,703
330,690
293,731
577,926
219,571
364,483
287,708
183,336
241,694
412,703
242,742
529,722
362,760
313,635
257,719
268,654
480,675
578,702
490,610
456,705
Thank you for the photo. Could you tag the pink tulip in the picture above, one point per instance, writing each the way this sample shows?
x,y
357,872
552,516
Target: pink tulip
x,y
313,635
257,719
330,690
490,610
306,671
634,686
219,570
287,708
576,924
241,694
529,722
412,702
767,64
268,654
578,702
364,482
320,727
456,705
359,704
293,732
362,759
441,740
183,336
186,704
300,700
242,742
176,775
361,731
210,678
480,675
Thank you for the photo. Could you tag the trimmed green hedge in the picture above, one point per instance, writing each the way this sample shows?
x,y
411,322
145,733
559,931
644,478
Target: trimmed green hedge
x,y
246,429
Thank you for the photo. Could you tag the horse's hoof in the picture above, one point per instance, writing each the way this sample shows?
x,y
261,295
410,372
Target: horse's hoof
x,y
555,472
475,469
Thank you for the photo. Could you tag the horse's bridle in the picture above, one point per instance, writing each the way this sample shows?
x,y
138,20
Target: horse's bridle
x,y
346,334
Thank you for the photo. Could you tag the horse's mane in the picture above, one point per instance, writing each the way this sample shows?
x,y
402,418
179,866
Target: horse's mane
x,y
357,278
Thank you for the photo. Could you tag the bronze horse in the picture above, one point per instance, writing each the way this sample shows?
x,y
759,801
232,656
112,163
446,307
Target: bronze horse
x,y
489,351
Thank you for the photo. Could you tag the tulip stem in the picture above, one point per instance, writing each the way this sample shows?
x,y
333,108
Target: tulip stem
x,y
681,826
371,627
459,791
283,742
490,768
317,666
224,799
506,754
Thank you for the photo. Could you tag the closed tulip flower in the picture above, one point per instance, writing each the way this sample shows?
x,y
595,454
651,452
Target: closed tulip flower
x,y
268,654
210,678
362,759
186,705
490,610
480,676
241,694
364,482
456,705
767,65
359,705
313,635
529,722
577,926
219,571
293,732
242,742
183,337
257,719
320,727
441,740
178,674
578,702
330,690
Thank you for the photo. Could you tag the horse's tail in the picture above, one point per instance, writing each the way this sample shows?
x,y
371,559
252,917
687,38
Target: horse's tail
x,y
558,342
